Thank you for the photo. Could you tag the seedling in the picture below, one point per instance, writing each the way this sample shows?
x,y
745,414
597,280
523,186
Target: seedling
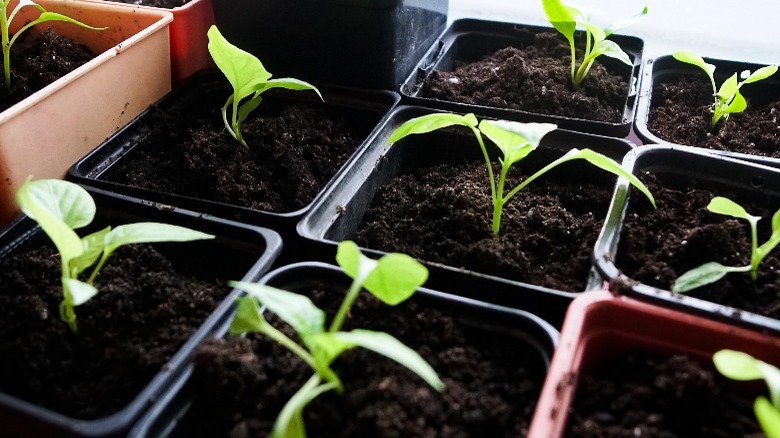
x,y
737,365
515,141
60,207
248,77
713,271
727,100
565,19
392,279
5,23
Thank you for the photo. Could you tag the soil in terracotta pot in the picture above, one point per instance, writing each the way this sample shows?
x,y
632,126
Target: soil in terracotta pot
x,y
657,246
294,150
443,214
491,389
646,394
144,312
535,78
38,61
168,4
680,113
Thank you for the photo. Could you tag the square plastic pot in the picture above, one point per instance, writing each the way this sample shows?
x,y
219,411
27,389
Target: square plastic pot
x,y
354,43
83,108
339,212
508,328
469,40
239,251
600,327
362,109
665,69
673,166
189,52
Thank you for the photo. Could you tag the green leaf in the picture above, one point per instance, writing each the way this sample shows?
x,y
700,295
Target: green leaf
x,y
296,310
768,416
609,165
58,206
392,348
290,84
53,16
737,105
150,232
728,88
611,49
79,291
772,378
760,74
561,18
247,107
515,140
624,23
353,262
692,58
93,245
242,69
597,34
248,318
737,365
703,275
727,207
431,122
395,278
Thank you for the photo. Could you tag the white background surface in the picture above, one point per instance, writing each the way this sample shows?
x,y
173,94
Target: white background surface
x,y
742,30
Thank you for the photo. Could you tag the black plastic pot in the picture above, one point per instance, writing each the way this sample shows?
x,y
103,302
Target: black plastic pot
x,y
665,69
508,328
239,251
469,40
340,211
686,167
356,43
364,110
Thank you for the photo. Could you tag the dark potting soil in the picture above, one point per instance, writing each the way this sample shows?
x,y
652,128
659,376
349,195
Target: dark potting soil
x,y
443,214
657,246
143,314
37,62
294,150
644,394
535,78
680,113
492,382
168,4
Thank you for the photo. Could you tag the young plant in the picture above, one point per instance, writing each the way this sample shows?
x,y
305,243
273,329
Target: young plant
x,y
737,365
713,271
727,100
248,77
60,207
565,19
8,41
392,279
515,141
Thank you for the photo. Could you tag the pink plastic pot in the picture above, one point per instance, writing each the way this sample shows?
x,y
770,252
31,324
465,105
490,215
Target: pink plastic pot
x,y
600,327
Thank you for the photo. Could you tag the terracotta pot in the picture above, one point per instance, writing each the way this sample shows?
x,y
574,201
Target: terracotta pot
x,y
47,132
189,52
600,327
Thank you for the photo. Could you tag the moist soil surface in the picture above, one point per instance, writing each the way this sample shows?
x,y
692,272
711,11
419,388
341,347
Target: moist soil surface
x,y
680,113
535,78
38,61
168,4
492,381
143,314
644,394
657,246
443,214
294,150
